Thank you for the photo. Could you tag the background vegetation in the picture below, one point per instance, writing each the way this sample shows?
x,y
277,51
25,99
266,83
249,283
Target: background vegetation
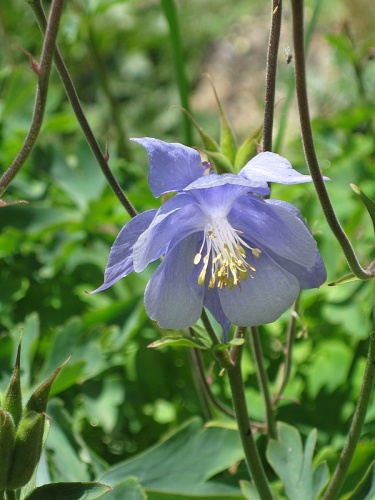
x,y
116,398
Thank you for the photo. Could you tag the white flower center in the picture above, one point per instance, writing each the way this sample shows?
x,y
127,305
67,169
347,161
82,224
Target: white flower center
x,y
228,256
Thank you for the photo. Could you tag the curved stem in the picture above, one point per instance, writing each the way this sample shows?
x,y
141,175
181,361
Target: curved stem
x,y
263,382
200,380
291,333
308,142
169,9
253,460
74,101
357,422
273,47
43,70
285,106
204,389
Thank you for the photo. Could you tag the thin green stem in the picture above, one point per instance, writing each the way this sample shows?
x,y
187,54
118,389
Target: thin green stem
x,y
74,101
236,351
43,70
308,142
253,460
123,148
263,381
355,430
273,48
170,12
291,334
205,392
200,381
222,355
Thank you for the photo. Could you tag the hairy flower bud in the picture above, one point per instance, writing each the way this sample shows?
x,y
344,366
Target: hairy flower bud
x,y
7,439
27,450
12,400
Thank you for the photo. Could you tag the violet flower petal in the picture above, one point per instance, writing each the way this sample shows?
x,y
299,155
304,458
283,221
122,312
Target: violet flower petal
x,y
173,297
120,261
271,167
172,166
263,298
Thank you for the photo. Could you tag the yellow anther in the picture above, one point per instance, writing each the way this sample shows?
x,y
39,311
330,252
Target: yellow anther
x,y
226,251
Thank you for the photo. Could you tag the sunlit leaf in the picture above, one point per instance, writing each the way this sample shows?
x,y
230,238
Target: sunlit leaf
x,y
294,465
69,491
369,204
178,341
184,462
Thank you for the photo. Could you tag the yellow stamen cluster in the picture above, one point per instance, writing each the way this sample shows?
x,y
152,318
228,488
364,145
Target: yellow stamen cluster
x,y
227,253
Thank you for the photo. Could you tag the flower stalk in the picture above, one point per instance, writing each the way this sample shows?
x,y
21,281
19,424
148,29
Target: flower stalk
x,y
43,71
354,433
291,334
252,457
263,382
72,95
273,47
308,142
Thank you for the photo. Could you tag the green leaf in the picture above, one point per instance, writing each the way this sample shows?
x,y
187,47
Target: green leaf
x,y
228,144
184,462
360,470
69,491
128,489
329,367
248,149
369,204
348,278
233,342
209,142
249,491
221,162
294,465
178,341
82,182
66,446
157,495
365,488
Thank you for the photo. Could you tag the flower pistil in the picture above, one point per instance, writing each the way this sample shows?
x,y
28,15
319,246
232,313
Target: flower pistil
x,y
226,250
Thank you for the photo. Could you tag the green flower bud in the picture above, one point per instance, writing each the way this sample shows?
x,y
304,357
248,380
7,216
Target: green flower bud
x,y
12,400
39,399
7,439
27,449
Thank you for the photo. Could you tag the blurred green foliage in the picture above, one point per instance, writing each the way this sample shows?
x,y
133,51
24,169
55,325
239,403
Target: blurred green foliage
x,y
115,398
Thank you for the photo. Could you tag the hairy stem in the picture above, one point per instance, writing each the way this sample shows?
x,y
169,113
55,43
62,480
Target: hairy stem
x,y
253,460
285,105
74,101
43,70
263,382
308,142
355,430
273,47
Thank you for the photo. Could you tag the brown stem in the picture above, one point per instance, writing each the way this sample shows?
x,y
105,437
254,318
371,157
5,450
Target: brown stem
x,y
76,105
43,70
273,47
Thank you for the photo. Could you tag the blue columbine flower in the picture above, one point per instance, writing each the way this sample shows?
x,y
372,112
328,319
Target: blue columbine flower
x,y
223,246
